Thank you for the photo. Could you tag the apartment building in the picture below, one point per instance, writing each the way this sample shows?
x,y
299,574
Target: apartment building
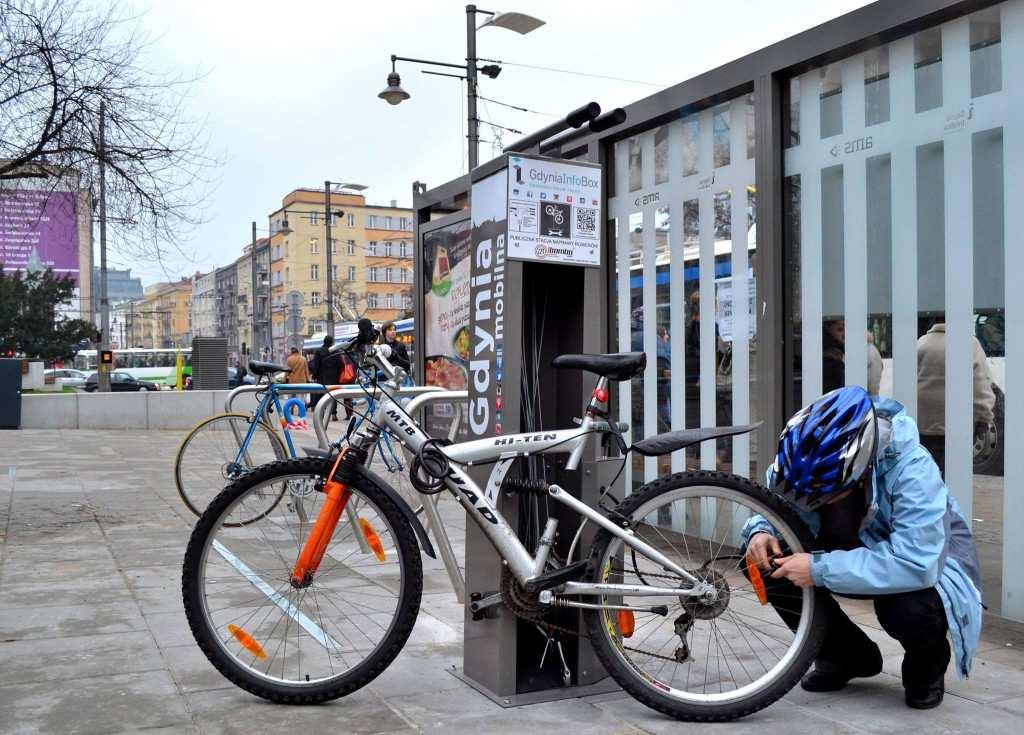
x,y
372,260
162,317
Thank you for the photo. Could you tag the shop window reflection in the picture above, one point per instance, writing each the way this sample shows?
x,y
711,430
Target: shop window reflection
x,y
831,100
928,70
986,60
876,86
661,155
720,126
690,143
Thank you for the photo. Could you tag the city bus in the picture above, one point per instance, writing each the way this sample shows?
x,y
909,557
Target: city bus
x,y
154,365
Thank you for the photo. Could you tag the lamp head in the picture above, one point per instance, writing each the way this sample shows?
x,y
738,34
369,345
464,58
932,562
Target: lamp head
x,y
513,21
393,93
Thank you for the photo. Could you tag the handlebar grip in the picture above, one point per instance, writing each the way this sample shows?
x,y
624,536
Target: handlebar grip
x,y
620,426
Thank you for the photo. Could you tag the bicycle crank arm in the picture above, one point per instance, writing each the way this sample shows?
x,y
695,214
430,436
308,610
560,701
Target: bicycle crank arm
x,y
591,588
656,609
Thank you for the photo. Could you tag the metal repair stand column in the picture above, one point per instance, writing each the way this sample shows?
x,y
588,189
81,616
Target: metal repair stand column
x,y
532,296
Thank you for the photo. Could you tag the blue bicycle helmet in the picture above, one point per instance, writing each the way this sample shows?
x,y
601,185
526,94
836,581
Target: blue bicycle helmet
x,y
826,448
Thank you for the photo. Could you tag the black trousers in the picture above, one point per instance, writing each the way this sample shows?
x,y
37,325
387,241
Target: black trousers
x,y
916,619
936,446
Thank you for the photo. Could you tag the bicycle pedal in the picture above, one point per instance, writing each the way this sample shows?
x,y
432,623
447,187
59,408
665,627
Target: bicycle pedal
x,y
571,573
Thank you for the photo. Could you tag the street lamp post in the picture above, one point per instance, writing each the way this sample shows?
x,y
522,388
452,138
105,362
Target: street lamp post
x,y
252,337
521,23
330,261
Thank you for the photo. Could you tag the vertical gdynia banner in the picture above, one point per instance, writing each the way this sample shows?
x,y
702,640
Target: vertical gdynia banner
x,y
487,304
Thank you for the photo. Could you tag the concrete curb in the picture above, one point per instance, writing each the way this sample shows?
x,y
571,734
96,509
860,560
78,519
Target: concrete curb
x,y
142,410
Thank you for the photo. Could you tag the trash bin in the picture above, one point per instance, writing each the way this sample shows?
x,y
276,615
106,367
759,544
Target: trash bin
x,y
10,393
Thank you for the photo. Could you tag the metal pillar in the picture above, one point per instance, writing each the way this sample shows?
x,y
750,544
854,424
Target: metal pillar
x,y
103,376
472,124
330,261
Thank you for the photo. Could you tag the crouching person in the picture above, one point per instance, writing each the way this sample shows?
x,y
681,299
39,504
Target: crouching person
x,y
886,529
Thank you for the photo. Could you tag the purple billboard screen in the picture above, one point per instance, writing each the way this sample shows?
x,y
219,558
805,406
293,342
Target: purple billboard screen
x,y
38,230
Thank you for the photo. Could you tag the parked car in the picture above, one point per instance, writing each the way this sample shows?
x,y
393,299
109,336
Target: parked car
x,y
72,378
120,382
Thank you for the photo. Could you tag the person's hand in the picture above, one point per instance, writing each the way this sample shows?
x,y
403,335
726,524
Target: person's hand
x,y
795,568
761,547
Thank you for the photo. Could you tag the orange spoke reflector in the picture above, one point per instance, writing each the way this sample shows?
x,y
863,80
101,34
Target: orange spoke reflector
x,y
372,538
248,642
756,582
627,623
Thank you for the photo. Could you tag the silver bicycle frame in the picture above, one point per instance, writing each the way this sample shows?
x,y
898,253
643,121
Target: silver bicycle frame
x,y
481,505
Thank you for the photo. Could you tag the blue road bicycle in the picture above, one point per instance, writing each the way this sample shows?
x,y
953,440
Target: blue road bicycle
x,y
226,446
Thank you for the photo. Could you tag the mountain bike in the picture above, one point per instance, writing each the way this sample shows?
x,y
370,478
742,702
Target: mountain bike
x,y
291,609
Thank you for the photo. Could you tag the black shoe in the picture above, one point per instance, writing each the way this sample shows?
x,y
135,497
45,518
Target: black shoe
x,y
832,680
926,697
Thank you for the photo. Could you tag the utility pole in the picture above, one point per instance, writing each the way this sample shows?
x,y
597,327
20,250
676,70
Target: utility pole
x,y
252,298
330,260
103,377
473,126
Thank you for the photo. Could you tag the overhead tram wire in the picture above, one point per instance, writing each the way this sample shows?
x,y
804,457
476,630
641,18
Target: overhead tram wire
x,y
576,73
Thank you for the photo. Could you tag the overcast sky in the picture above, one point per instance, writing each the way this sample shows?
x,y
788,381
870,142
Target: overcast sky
x,y
290,89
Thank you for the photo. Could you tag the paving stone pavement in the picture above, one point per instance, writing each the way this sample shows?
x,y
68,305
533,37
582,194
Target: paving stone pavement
x,y
93,638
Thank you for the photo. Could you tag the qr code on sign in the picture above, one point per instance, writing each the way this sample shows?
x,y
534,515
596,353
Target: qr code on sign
x,y
586,222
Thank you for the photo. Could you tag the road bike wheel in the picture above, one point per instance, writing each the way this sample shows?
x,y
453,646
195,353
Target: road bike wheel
x,y
706,660
317,642
207,459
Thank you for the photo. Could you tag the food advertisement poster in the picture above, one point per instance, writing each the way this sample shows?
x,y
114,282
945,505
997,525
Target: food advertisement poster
x,y
446,269
554,211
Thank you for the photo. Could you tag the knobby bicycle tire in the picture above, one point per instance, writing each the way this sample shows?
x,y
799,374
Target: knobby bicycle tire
x,y
391,645
632,680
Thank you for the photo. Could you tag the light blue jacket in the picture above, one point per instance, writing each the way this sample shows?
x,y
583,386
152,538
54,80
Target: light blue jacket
x,y
914,536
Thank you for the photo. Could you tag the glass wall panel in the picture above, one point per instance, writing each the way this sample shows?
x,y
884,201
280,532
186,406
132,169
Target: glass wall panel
x,y
986,53
831,109
928,69
833,330
689,141
691,290
636,329
989,368
721,123
661,155
636,164
928,234
876,86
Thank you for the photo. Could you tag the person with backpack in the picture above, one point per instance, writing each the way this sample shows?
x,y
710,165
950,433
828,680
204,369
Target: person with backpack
x,y
326,367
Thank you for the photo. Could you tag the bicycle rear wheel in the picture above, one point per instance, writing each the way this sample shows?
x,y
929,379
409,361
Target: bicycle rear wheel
x,y
208,458
708,659
318,641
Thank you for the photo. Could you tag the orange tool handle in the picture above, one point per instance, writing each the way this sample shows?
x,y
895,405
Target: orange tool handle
x,y
316,543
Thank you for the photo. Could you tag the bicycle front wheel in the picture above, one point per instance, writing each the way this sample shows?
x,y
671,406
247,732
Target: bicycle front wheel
x,y
322,639
725,654
209,457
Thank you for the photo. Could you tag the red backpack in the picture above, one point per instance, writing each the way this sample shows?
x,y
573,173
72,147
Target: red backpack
x,y
348,372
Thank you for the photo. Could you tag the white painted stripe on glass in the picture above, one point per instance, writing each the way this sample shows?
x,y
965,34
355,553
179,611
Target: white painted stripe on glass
x,y
904,231
855,233
289,609
650,336
677,313
810,239
1013,455
959,275
622,258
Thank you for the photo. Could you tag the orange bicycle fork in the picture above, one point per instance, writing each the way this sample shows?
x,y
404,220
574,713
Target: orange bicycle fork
x,y
323,529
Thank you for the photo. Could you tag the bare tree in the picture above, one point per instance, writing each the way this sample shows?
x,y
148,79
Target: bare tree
x,y
350,302
59,59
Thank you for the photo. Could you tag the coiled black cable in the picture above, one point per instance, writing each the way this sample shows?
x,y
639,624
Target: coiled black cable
x,y
429,467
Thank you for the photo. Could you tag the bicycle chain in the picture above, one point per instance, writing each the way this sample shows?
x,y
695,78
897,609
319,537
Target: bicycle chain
x,y
522,606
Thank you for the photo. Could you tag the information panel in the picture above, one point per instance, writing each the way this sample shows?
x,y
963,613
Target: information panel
x,y
554,211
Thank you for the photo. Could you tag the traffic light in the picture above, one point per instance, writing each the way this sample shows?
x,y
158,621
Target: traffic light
x,y
107,358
